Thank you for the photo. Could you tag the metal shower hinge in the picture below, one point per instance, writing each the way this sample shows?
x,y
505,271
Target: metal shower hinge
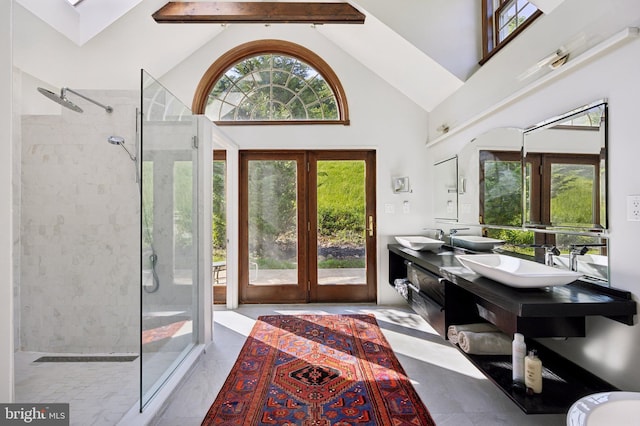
x,y
194,141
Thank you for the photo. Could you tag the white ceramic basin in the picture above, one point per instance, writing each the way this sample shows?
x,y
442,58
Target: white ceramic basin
x,y
475,242
419,243
606,409
594,265
516,272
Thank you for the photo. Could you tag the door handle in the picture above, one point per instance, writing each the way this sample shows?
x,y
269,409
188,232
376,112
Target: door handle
x,y
370,228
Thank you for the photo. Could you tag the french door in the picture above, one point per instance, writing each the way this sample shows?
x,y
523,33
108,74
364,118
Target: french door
x,y
307,230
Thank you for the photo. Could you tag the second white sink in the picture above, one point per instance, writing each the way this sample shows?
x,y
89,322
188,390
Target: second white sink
x,y
475,242
516,272
419,243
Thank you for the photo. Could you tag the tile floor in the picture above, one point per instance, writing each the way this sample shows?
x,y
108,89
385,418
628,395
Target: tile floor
x,y
98,393
454,391
101,393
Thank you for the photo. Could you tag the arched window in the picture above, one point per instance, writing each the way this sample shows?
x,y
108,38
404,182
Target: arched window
x,y
271,82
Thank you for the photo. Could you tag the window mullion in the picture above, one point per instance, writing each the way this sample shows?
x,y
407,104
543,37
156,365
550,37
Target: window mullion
x,y
278,65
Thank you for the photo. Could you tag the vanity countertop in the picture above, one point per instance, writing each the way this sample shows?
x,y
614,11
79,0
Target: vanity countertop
x,y
576,299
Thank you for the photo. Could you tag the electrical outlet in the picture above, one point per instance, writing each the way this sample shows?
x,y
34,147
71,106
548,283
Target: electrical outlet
x,y
633,208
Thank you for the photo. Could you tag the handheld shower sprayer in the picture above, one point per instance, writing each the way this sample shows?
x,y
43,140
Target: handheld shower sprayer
x,y
119,140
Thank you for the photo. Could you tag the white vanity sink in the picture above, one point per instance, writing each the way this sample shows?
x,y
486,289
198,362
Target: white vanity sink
x,y
605,408
516,272
475,242
419,243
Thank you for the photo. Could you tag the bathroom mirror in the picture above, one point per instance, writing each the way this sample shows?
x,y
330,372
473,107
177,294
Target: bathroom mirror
x,y
565,178
490,179
446,191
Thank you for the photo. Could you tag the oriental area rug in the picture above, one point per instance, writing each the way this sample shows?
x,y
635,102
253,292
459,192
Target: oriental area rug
x,y
320,370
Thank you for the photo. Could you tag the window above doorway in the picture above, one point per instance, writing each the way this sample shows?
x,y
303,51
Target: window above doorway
x,y
271,82
271,87
502,21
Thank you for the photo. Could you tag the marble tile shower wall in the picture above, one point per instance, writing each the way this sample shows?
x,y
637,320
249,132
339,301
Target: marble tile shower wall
x,y
79,266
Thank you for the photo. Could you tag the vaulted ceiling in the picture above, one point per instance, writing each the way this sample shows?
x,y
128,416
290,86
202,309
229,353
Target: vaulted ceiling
x,y
437,42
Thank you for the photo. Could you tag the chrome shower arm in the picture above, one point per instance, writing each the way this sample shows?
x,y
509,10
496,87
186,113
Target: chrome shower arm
x,y
66,89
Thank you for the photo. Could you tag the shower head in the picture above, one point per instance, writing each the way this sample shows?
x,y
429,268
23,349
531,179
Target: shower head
x,y
119,140
62,99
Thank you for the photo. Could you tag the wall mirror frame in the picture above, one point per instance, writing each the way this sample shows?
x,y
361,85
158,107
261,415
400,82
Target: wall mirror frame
x,y
564,166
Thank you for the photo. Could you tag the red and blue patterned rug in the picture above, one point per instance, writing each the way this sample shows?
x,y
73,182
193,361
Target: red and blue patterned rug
x,y
318,370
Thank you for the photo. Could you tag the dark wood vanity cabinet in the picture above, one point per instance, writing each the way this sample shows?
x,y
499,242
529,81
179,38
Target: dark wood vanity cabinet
x,y
537,312
444,294
438,300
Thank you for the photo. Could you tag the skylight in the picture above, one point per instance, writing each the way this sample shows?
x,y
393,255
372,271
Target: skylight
x,y
83,19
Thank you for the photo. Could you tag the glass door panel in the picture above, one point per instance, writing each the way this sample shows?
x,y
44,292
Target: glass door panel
x,y
341,222
342,256
169,235
273,223
274,240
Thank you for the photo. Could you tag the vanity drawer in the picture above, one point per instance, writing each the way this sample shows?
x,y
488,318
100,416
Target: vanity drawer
x,y
428,283
428,309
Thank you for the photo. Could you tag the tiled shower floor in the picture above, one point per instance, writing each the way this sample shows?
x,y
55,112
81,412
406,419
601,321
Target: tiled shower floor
x,y
98,393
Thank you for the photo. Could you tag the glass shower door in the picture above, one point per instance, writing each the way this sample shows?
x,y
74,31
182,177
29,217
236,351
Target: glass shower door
x,y
169,225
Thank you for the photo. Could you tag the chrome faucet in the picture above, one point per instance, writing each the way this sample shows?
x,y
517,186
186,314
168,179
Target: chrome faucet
x,y
549,252
573,256
439,232
452,232
580,250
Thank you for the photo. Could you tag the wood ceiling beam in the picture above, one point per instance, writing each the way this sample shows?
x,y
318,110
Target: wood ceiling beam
x,y
258,12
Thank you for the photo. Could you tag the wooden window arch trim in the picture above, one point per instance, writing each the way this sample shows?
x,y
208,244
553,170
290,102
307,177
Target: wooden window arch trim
x,y
246,50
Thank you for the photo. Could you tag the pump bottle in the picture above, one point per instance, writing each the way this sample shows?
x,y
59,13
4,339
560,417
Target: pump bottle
x,y
533,372
518,353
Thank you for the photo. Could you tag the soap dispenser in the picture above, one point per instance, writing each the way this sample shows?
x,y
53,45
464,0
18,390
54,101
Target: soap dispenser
x,y
533,372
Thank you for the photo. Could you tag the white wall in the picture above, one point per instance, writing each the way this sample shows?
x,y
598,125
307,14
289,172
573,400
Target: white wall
x,y
574,26
6,211
610,349
438,28
110,60
381,119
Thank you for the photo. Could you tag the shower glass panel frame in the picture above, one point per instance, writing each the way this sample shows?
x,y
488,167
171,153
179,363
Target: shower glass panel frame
x,y
169,235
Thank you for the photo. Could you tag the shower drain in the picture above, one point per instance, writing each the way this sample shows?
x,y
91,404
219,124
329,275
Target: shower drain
x,y
91,358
